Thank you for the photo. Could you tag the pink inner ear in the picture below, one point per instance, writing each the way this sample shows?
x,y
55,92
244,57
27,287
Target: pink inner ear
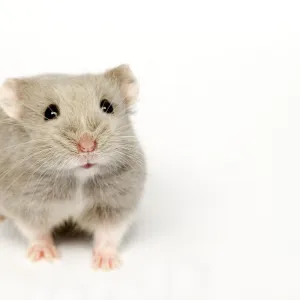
x,y
131,91
127,82
9,100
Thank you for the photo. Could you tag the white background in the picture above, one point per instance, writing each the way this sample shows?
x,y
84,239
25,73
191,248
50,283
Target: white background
x,y
219,120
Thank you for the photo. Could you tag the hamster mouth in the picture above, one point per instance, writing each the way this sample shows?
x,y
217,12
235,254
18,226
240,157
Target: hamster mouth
x,y
87,166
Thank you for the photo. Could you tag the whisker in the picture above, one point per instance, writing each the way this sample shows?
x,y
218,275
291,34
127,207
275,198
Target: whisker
x,y
21,175
21,161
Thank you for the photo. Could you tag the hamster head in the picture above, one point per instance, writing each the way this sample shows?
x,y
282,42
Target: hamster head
x,y
75,123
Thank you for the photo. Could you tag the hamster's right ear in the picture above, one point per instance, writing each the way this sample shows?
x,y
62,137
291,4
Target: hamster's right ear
x,y
10,101
126,81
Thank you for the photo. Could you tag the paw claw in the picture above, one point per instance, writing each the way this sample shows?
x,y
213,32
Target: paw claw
x,y
106,261
40,251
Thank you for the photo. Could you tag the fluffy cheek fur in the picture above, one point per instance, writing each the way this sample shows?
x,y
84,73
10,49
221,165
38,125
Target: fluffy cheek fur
x,y
56,146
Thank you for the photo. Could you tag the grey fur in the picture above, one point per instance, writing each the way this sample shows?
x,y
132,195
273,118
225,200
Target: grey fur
x,y
39,181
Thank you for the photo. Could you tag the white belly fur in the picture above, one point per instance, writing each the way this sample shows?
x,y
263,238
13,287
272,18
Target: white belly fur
x,y
73,208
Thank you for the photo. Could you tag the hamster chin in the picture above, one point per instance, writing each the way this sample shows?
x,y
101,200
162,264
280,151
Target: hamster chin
x,y
87,166
87,171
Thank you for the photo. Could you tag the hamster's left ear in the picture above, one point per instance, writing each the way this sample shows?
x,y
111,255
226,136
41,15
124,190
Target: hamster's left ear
x,y
9,98
126,81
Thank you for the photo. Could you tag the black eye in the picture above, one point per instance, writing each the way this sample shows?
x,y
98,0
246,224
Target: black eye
x,y
52,112
106,106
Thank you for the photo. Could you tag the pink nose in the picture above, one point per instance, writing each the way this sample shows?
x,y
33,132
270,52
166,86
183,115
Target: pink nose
x,y
86,143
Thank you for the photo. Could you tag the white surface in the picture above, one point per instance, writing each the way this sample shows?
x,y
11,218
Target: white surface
x,y
219,120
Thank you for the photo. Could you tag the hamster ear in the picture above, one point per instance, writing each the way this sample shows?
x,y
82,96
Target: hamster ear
x,y
127,82
9,99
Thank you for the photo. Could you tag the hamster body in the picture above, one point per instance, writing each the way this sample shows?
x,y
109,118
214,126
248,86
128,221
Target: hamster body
x,y
69,151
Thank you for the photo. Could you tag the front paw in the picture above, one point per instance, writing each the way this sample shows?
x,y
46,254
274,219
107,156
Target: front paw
x,y
107,260
42,250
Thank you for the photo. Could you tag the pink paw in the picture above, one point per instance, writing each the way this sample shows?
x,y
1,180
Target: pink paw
x,y
42,250
106,260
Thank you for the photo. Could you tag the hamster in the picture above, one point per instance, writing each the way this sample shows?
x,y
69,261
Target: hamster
x,y
69,151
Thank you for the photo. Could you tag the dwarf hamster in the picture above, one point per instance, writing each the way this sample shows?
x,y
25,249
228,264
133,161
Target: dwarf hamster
x,y
69,151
